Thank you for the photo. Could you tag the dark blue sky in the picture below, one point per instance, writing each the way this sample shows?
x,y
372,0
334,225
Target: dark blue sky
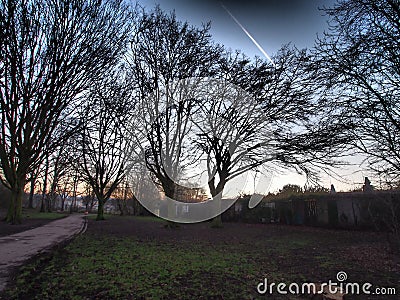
x,y
272,23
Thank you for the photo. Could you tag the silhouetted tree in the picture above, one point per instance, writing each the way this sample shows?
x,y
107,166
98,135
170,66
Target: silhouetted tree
x,y
291,189
33,176
317,189
89,200
164,51
264,114
49,52
103,144
61,166
122,195
358,64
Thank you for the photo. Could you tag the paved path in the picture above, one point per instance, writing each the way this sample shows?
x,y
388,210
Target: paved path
x,y
17,248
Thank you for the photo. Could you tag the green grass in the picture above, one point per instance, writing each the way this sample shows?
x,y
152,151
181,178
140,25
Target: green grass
x,y
95,266
148,218
93,216
119,268
34,214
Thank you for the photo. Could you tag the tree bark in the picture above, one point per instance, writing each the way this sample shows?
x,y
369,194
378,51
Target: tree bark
x,y
216,193
32,190
14,214
100,210
169,190
43,206
62,204
217,222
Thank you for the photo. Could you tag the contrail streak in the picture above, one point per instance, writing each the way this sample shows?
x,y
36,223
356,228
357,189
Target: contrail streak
x,y
248,34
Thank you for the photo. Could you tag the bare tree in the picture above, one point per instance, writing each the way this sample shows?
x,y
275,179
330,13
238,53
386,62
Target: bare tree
x,y
239,114
89,200
141,184
60,168
165,50
64,189
33,176
289,189
122,195
257,114
49,52
358,62
104,146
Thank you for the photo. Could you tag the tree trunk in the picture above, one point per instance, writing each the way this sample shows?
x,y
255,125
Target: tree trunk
x,y
92,202
169,190
14,214
48,202
216,193
32,191
100,210
64,194
53,193
74,192
42,206
217,222
62,202
120,207
124,202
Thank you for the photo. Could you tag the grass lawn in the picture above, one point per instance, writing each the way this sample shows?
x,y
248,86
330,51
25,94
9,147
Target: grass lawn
x,y
35,214
31,218
93,216
127,258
